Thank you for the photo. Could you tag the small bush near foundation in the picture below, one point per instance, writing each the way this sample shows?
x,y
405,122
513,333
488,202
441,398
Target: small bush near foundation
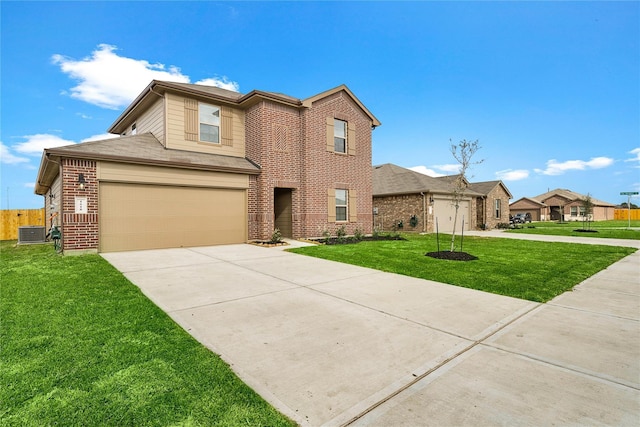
x,y
358,234
276,236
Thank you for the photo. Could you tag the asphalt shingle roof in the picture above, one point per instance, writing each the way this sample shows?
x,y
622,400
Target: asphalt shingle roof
x,y
146,149
569,195
390,179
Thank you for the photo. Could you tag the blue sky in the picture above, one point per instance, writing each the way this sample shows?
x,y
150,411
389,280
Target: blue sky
x,y
551,90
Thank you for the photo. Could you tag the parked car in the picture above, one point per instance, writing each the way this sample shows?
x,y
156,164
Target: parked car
x,y
521,218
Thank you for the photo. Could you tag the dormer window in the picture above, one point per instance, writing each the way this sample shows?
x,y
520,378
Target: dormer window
x,y
209,117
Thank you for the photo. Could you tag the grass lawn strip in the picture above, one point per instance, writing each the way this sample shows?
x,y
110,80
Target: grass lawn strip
x,y
81,345
531,270
613,229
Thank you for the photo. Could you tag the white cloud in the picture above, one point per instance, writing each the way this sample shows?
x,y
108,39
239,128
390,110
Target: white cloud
x,y
556,168
9,158
426,171
636,152
111,81
452,168
223,83
100,137
34,144
512,174
30,184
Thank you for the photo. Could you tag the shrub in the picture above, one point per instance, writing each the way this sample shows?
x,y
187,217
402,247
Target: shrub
x,y
340,233
358,234
326,235
503,225
276,236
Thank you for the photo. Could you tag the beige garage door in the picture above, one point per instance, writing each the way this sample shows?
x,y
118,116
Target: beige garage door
x,y
444,212
137,216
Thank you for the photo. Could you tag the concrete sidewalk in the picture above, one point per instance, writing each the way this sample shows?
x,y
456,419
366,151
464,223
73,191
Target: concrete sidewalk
x,y
333,344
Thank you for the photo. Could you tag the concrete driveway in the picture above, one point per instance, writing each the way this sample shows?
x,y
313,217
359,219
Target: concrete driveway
x,y
333,344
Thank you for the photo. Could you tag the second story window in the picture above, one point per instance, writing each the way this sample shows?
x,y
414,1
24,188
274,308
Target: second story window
x,y
209,118
340,136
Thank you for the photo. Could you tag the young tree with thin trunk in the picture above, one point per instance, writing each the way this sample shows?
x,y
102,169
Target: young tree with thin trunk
x,y
587,206
463,152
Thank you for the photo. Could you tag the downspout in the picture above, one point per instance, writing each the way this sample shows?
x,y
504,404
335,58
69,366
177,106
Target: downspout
x,y
424,213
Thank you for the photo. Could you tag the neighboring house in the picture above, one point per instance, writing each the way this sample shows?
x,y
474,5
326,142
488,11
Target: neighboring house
x,y
419,201
561,205
493,206
197,165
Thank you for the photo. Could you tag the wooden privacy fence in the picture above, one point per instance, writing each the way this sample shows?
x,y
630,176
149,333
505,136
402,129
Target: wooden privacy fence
x,y
11,220
624,214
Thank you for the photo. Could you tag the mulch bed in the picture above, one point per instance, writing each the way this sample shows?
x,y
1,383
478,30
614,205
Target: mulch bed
x,y
351,240
582,230
267,243
452,256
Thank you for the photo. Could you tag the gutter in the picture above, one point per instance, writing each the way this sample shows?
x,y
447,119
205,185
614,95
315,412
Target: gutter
x,y
166,163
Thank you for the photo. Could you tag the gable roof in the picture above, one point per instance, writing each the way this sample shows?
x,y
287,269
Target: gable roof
x,y
390,179
528,199
139,149
485,187
569,196
157,88
309,101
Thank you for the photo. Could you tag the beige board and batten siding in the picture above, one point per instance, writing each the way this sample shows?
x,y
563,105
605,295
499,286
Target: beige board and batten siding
x,y
232,134
150,207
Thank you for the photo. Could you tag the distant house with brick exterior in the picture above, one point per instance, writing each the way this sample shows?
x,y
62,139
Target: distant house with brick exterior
x,y
423,203
195,165
561,205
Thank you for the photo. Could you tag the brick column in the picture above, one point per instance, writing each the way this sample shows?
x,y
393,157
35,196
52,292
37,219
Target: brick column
x,y
79,230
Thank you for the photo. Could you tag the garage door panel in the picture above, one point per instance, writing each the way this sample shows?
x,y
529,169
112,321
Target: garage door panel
x,y
137,216
444,211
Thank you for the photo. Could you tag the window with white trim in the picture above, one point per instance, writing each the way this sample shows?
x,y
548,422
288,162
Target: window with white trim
x,y
341,205
339,136
498,206
209,119
577,211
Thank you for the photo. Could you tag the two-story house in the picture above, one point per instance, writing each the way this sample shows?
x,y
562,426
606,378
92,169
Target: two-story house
x,y
196,165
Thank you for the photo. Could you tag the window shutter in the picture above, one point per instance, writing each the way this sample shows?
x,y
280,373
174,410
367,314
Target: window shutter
x,y
351,139
190,120
330,143
353,211
331,203
226,125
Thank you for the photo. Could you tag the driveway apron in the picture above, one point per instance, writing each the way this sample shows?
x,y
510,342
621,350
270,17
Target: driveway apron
x,y
334,344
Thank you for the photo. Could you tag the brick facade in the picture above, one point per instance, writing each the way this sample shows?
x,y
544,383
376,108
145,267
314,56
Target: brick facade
x,y
290,146
488,204
390,210
79,230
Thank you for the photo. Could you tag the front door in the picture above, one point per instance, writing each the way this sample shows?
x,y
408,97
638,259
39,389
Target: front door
x,y
282,211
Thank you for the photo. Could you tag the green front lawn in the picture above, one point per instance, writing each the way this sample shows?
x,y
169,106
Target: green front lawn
x,y
81,345
536,271
614,229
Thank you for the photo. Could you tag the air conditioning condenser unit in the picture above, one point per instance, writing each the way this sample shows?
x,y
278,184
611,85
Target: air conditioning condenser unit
x,y
31,234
